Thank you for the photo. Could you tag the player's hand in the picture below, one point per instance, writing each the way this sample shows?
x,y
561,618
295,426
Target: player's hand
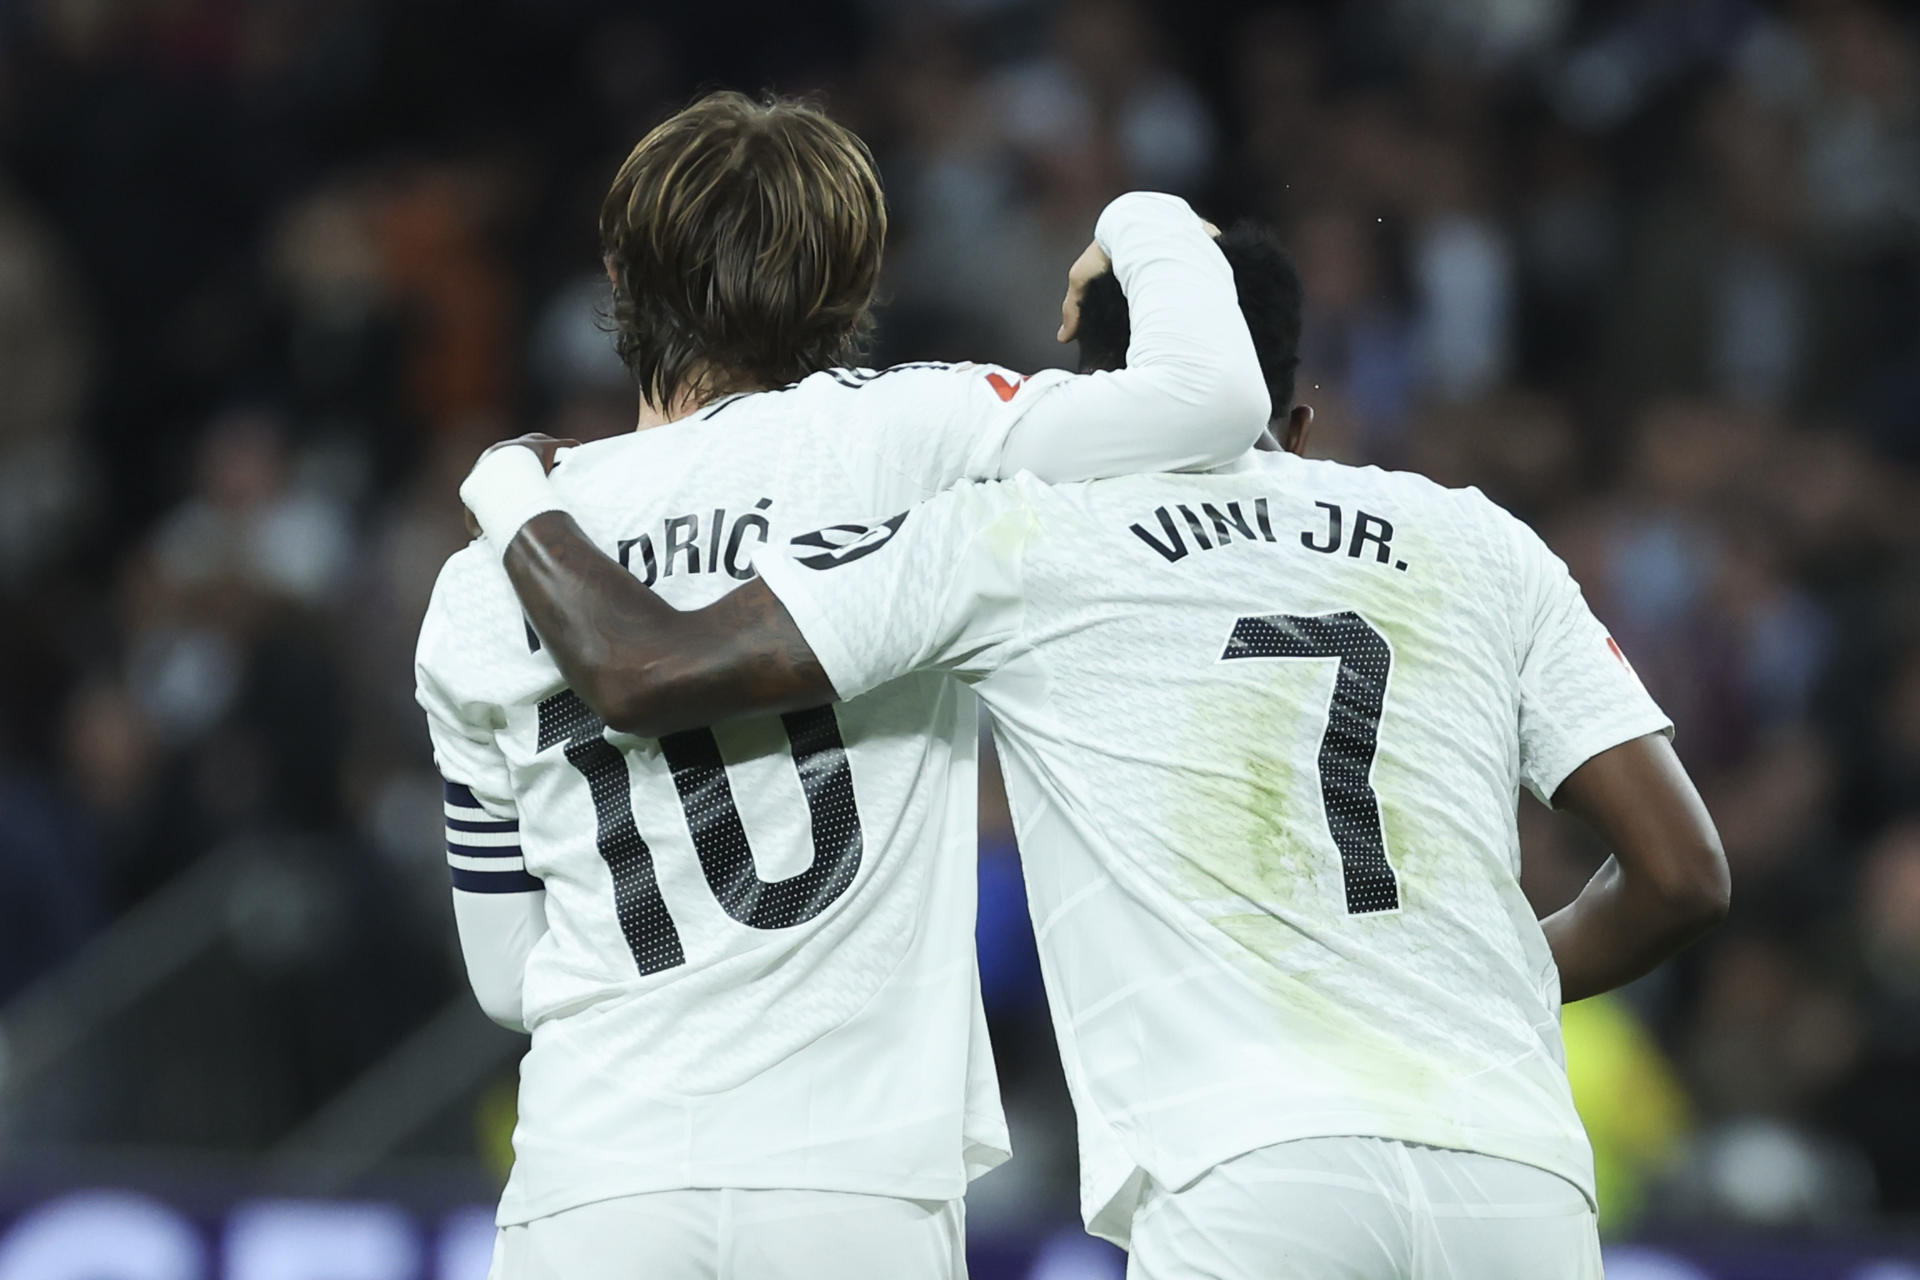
x,y
1090,265
545,447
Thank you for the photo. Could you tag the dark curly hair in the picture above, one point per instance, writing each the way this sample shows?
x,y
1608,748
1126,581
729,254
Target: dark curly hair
x,y
744,241
1269,289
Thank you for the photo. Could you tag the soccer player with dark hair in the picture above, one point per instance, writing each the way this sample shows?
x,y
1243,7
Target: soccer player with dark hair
x,y
1268,287
745,954
1263,732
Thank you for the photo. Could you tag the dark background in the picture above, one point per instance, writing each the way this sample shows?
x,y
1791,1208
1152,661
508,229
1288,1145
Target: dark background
x,y
271,273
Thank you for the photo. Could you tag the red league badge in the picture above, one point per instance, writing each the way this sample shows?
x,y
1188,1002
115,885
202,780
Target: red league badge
x,y
1004,389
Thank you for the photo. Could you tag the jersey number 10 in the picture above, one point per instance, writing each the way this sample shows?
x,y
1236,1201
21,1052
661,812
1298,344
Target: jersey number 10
x,y
726,859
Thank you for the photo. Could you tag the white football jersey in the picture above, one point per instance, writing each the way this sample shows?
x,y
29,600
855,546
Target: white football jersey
x,y
1263,732
758,969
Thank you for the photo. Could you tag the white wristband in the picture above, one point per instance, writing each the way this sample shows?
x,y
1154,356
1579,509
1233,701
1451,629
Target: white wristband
x,y
505,489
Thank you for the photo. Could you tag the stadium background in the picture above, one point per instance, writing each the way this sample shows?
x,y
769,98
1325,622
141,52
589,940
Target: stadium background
x,y
272,271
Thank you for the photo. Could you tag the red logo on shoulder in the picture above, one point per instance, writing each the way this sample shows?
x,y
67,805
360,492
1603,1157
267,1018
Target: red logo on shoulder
x,y
1004,389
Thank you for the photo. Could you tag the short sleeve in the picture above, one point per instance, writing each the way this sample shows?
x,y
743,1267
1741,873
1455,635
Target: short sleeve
x,y
462,729
465,753
1579,696
936,587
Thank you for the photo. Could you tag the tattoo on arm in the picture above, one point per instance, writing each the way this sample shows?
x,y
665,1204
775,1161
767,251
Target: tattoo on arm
x,y
643,666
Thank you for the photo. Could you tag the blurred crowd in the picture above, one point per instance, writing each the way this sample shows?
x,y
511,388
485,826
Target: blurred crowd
x,y
273,271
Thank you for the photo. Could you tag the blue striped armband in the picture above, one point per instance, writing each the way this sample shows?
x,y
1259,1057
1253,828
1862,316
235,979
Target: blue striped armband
x,y
483,852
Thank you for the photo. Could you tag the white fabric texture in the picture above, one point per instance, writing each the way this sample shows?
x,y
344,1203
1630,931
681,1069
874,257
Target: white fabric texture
x,y
739,1235
1264,780
1366,1209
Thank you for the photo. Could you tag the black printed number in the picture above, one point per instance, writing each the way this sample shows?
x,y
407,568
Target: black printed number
x,y
1347,748
726,858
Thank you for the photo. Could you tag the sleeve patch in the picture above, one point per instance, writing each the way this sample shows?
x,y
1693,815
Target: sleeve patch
x,y
840,544
1004,387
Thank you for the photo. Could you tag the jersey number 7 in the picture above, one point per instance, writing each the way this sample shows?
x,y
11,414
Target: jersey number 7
x,y
1350,742
726,859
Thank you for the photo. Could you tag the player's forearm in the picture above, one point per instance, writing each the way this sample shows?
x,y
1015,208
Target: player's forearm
x,y
1189,342
1666,883
602,628
1621,927
638,663
1191,396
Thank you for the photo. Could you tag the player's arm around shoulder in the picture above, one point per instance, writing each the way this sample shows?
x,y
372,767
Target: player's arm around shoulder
x,y
937,585
643,666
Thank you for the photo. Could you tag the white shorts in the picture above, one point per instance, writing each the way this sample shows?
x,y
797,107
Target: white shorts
x,y
739,1235
1366,1209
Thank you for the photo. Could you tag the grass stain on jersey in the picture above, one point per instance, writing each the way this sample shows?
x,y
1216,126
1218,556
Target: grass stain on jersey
x,y
1244,825
1259,864
1010,532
